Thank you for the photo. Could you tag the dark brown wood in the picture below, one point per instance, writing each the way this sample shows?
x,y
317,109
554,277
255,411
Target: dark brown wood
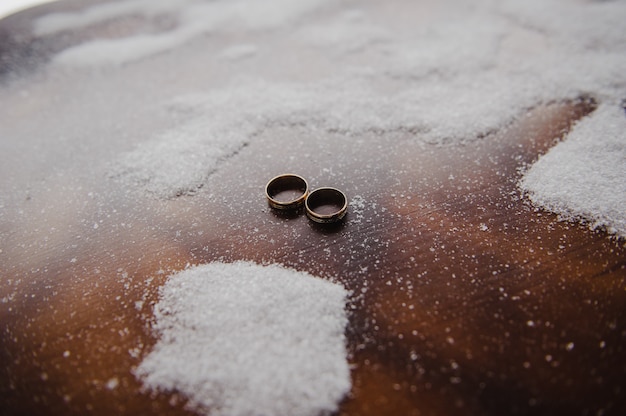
x,y
466,300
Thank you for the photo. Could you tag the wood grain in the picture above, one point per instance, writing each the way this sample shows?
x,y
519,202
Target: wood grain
x,y
465,299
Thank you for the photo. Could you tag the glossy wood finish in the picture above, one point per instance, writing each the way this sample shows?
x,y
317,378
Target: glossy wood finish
x,y
466,300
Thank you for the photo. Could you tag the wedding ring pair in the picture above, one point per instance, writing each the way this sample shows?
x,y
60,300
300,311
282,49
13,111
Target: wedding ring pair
x,y
289,192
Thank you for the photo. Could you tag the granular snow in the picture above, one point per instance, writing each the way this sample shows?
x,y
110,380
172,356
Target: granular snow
x,y
585,176
443,72
244,339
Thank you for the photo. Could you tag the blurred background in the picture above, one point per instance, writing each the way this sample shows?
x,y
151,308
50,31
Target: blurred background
x,y
8,7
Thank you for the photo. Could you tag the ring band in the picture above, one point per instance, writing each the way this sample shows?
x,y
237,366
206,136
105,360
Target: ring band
x,y
326,205
286,192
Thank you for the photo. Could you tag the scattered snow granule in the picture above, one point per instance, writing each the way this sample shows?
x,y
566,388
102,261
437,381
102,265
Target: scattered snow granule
x,y
178,161
53,23
244,339
357,206
238,52
584,176
194,19
112,383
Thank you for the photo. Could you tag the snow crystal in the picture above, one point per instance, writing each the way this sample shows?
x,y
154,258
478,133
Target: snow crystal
x,y
179,161
440,72
357,207
237,52
112,383
243,339
59,22
9,7
194,17
584,177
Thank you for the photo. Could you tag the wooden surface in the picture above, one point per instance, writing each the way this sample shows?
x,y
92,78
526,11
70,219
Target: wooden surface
x,y
466,300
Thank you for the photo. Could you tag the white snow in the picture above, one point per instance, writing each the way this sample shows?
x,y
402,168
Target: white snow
x,y
585,176
238,52
244,339
241,338
462,73
195,18
8,7
179,161
66,21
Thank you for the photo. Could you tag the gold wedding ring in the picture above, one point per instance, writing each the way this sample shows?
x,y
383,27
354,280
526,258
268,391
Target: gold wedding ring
x,y
286,192
326,205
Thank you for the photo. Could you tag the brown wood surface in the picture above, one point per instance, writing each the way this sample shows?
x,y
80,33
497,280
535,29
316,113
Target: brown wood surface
x,y
466,300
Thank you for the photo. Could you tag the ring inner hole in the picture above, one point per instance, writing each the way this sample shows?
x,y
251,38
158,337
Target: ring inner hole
x,y
287,189
326,202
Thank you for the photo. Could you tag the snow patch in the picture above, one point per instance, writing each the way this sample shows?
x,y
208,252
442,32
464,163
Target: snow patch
x,y
584,177
242,339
